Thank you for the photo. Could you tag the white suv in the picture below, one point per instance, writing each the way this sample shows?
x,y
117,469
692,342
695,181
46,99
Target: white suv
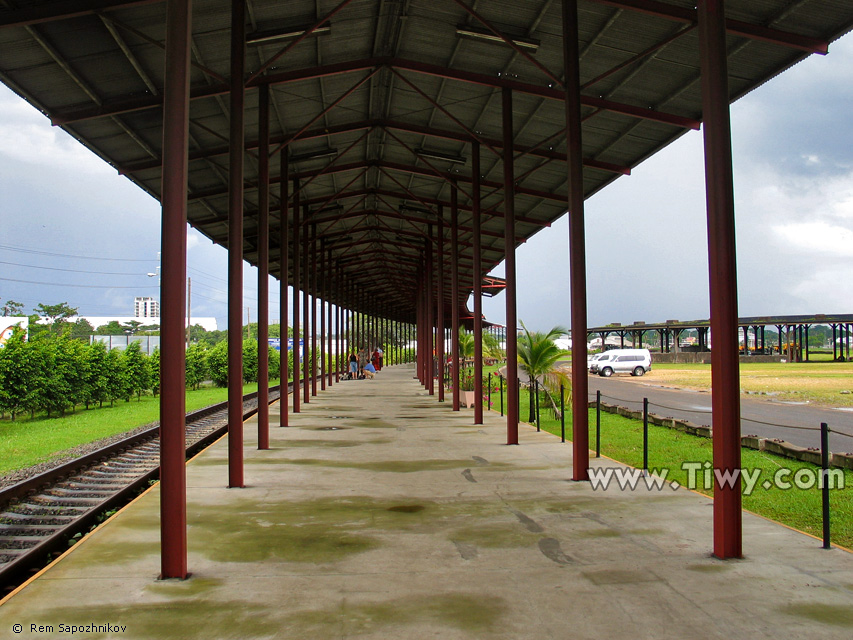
x,y
634,361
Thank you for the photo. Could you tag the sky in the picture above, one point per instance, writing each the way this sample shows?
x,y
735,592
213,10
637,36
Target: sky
x,y
74,231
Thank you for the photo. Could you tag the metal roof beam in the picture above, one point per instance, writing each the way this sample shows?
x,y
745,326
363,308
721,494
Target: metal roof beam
x,y
28,16
87,112
388,124
545,92
733,27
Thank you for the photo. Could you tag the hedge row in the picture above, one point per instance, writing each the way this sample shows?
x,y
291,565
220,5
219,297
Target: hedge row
x,y
56,374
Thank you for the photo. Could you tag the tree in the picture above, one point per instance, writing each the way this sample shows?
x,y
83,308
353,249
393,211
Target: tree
x,y
116,379
81,330
18,374
113,328
96,373
131,327
12,308
155,370
537,355
137,370
217,364
56,314
250,360
196,365
60,376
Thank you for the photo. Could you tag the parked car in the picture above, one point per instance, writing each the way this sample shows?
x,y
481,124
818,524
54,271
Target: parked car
x,y
634,361
598,357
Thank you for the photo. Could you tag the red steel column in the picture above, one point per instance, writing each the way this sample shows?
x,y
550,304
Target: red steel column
x,y
419,365
722,267
176,107
284,244
263,265
454,294
297,287
322,297
327,280
430,317
577,257
235,247
306,307
478,280
509,268
316,372
439,347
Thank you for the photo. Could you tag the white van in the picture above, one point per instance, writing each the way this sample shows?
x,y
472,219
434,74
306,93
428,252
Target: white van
x,y
633,361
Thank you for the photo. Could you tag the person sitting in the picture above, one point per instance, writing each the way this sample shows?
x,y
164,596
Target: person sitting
x,y
369,370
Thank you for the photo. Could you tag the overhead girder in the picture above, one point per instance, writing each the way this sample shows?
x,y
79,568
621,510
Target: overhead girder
x,y
360,125
67,9
71,115
403,168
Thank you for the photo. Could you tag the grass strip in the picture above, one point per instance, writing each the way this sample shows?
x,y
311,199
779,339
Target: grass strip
x,y
30,441
622,440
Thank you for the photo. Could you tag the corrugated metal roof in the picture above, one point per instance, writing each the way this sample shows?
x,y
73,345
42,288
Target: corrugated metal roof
x,y
100,75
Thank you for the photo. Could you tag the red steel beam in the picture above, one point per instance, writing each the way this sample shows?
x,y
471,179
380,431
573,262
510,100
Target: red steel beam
x,y
434,103
544,92
284,244
269,62
334,104
734,27
722,268
173,498
359,125
577,249
454,296
524,54
403,168
125,106
509,269
235,246
439,328
476,282
65,10
263,268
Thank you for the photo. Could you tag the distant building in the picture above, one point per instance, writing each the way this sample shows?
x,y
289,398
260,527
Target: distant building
x,y
146,308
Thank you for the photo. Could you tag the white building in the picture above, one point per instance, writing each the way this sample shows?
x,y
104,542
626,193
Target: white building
x,y
146,308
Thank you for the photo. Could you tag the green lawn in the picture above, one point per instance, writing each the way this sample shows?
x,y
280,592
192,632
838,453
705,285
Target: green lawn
x,y
26,442
822,382
622,440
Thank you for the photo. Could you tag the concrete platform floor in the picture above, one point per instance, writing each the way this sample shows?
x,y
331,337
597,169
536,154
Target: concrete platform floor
x,y
382,514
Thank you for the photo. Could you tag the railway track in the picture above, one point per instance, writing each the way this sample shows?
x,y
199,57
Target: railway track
x,y
40,515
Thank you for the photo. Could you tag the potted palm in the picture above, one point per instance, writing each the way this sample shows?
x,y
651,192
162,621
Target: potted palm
x,y
466,372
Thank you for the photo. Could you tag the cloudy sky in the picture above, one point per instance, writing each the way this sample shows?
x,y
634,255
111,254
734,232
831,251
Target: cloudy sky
x,y
74,231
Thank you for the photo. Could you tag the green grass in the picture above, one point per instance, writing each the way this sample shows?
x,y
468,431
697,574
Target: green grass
x,y
824,382
27,441
622,440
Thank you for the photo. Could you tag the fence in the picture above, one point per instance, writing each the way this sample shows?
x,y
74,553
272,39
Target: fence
x,y
821,456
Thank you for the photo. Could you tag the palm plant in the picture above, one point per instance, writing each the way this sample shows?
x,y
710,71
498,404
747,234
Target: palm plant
x,y
466,353
537,355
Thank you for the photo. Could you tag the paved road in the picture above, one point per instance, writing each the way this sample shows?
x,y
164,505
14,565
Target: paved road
x,y
696,406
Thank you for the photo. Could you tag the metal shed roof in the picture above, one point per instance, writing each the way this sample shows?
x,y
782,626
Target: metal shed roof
x,y
395,92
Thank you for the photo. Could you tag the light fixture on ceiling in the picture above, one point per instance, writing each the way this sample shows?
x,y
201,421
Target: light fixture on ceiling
x,y
488,36
264,37
438,155
414,209
312,155
334,206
